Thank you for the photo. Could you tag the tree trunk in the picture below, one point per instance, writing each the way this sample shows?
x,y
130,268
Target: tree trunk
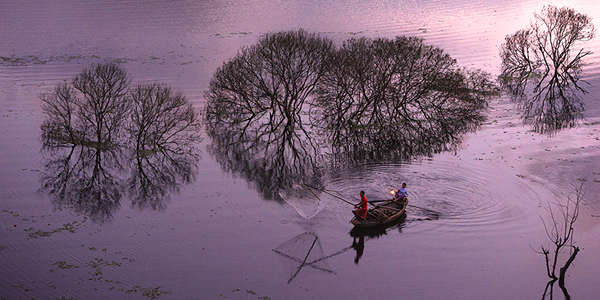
x,y
563,270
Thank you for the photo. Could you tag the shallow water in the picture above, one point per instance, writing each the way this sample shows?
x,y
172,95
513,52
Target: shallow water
x,y
215,237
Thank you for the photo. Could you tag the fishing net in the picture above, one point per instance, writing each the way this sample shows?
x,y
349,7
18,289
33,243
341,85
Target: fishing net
x,y
302,251
304,200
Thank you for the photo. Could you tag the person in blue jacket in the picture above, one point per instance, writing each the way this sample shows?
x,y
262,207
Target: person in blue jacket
x,y
401,194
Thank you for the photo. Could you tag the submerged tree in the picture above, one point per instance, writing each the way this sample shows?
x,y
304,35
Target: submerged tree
x,y
255,105
164,126
141,138
399,98
269,82
89,111
276,105
549,56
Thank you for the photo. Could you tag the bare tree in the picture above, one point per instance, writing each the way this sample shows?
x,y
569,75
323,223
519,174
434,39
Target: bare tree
x,y
161,117
547,54
266,85
59,108
560,233
164,127
255,106
144,137
103,106
91,110
399,95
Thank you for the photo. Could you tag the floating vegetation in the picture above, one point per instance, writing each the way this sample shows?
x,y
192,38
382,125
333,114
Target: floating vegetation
x,y
151,293
63,265
10,212
96,249
21,287
251,292
29,60
231,34
22,61
14,60
95,269
97,272
71,227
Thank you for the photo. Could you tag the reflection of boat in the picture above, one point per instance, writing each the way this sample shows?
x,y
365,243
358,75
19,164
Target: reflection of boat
x,y
362,234
382,214
378,230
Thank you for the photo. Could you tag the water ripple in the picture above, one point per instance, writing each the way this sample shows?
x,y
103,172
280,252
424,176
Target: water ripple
x,y
447,192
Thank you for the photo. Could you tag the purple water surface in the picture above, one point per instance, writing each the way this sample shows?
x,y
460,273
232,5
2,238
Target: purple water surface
x,y
215,236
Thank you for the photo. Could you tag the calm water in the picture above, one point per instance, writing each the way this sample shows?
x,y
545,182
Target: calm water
x,y
215,237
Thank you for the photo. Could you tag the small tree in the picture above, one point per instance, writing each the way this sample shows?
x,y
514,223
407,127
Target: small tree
x,y
560,232
161,117
59,108
164,127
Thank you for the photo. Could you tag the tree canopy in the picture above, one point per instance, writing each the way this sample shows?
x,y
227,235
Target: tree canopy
x,y
285,106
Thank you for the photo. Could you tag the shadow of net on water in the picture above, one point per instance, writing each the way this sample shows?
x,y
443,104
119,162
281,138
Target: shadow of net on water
x,y
305,251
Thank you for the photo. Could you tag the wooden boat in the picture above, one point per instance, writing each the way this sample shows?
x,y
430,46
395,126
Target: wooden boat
x,y
382,214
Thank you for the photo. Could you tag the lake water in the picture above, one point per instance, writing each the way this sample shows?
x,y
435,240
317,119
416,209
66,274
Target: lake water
x,y
217,238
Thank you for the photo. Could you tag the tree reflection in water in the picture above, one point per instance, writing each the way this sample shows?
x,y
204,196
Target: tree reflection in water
x,y
546,56
275,108
145,151
85,179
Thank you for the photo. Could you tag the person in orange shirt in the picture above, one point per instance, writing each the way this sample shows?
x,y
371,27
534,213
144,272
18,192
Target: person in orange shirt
x,y
361,207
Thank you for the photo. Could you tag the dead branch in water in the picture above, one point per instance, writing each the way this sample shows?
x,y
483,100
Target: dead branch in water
x,y
560,233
